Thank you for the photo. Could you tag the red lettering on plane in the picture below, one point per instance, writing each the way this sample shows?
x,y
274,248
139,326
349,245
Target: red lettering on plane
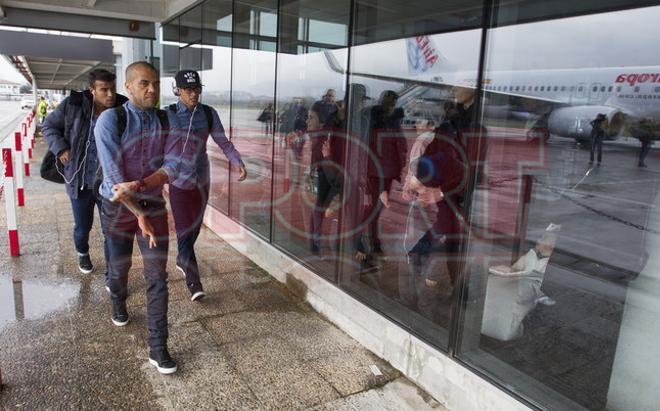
x,y
633,79
427,51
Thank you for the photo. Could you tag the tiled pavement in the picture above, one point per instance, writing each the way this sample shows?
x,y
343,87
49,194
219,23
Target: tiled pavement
x,y
251,344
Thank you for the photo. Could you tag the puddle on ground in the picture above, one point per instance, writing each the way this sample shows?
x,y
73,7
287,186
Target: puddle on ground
x,y
32,299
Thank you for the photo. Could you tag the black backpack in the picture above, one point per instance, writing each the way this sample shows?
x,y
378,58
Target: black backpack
x,y
121,127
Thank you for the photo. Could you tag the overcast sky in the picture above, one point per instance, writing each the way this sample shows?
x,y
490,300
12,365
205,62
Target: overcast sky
x,y
625,38
9,72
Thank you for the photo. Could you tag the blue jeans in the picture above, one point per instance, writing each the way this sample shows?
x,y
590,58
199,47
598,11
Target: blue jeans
x,y
120,227
83,220
188,211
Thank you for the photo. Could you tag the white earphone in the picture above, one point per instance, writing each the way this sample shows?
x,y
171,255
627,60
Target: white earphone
x,y
183,150
83,164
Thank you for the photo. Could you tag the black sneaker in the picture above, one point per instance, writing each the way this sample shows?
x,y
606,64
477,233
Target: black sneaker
x,y
119,314
85,264
162,361
197,293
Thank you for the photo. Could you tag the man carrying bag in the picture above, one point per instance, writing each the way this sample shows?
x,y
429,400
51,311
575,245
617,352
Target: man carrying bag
x,y
69,132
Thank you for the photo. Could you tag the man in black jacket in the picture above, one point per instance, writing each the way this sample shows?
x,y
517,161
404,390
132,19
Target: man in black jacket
x,y
69,132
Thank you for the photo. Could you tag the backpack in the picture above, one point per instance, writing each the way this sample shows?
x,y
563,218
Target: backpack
x,y
208,112
121,127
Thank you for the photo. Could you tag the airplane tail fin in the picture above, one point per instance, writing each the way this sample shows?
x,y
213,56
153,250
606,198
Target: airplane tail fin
x,y
422,55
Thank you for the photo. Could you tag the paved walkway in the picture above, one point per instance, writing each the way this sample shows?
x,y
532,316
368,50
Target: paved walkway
x,y
249,345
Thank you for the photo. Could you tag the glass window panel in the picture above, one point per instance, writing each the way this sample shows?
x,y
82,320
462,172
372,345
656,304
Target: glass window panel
x,y
171,30
268,24
217,91
305,184
216,23
190,26
562,279
379,20
328,32
253,90
394,254
515,12
169,61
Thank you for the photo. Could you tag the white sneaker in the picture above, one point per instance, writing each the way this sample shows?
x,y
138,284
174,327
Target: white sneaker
x,y
545,300
198,296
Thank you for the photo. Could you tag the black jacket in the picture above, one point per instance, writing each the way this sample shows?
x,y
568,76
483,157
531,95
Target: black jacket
x,y
67,128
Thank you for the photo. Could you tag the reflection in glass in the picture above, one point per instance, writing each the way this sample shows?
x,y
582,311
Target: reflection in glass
x,y
402,238
253,89
563,219
308,177
217,90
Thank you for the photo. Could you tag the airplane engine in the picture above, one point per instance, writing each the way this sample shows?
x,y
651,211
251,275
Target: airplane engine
x,y
575,122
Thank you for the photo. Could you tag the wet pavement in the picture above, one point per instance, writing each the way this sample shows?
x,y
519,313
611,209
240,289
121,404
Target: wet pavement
x,y
250,344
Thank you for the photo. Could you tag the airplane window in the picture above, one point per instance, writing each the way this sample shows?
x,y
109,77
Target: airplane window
x,y
618,89
602,89
524,88
572,88
536,88
609,89
517,88
563,88
555,88
594,89
636,89
542,88
657,89
580,88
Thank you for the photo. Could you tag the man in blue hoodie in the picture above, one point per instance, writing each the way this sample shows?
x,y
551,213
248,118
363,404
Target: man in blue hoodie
x,y
69,132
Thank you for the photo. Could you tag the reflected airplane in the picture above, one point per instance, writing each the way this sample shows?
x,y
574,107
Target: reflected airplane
x,y
563,101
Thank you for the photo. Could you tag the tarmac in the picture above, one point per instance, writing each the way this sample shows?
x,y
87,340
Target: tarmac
x,y
251,344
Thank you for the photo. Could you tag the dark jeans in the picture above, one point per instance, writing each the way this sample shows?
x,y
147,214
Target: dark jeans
x,y
644,151
596,144
188,210
371,213
120,228
447,223
323,200
83,219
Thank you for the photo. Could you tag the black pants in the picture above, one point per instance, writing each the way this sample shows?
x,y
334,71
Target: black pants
x,y
188,211
596,144
644,151
120,228
323,200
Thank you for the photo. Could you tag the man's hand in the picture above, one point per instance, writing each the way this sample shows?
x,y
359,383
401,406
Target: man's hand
x,y
430,196
385,198
64,156
147,230
242,172
123,191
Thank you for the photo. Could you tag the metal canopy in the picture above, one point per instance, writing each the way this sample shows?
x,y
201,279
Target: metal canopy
x,y
56,62
60,74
